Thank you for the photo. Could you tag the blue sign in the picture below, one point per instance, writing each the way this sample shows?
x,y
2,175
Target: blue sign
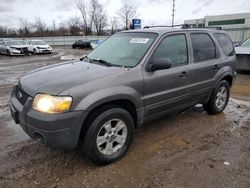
x,y
136,23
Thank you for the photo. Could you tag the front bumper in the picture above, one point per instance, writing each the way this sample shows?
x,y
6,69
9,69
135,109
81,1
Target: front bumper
x,y
19,51
43,51
16,53
55,130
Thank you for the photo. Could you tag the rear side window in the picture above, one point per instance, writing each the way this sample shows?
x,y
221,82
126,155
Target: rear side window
x,y
203,47
225,43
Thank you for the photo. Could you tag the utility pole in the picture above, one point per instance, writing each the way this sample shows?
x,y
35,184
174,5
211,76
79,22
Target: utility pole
x,y
54,25
173,13
54,28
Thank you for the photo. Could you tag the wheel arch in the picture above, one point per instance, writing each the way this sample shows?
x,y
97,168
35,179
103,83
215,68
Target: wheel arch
x,y
125,104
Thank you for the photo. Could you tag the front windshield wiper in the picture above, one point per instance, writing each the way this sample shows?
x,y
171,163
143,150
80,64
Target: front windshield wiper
x,y
102,61
86,57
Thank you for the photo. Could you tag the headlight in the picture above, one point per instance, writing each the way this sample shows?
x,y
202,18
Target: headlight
x,y
51,104
14,50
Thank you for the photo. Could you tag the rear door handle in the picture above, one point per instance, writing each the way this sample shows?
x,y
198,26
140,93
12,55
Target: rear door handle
x,y
183,74
216,67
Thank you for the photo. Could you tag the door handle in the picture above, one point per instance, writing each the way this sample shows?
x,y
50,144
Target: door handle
x,y
216,67
183,74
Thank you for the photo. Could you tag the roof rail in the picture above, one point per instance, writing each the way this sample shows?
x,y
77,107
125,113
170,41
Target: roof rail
x,y
206,27
183,26
147,27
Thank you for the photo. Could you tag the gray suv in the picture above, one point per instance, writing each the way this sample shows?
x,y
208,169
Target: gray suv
x,y
133,77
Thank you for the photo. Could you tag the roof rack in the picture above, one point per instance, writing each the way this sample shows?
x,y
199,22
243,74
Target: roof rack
x,y
183,26
147,27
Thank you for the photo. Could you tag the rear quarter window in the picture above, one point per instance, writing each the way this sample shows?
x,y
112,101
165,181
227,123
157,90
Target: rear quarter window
x,y
225,43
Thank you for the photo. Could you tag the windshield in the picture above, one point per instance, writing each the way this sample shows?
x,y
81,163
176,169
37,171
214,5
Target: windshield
x,y
124,49
22,41
14,43
39,42
246,42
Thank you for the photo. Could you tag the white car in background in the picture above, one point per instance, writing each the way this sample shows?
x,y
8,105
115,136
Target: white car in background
x,y
13,47
38,47
242,52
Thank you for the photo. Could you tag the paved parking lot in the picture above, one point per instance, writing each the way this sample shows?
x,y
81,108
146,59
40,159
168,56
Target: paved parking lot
x,y
189,149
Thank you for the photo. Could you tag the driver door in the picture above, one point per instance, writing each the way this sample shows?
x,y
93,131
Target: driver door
x,y
168,90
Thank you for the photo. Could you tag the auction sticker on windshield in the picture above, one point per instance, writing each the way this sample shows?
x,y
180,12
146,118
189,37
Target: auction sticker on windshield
x,y
139,40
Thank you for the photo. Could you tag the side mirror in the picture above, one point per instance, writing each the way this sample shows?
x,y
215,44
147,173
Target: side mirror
x,y
159,64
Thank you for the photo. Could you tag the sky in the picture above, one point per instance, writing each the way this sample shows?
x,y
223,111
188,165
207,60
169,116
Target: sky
x,y
152,12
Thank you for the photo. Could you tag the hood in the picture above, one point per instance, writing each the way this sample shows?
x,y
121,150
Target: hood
x,y
42,46
18,46
242,50
60,77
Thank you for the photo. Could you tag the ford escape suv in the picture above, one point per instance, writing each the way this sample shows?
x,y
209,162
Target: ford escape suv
x,y
131,78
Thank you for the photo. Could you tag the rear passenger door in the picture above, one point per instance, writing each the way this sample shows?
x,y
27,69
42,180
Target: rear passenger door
x,y
206,63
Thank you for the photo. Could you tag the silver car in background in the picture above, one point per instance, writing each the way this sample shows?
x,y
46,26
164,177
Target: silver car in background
x,y
242,52
13,47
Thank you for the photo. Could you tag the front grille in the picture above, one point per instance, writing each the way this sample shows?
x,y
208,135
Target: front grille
x,y
21,95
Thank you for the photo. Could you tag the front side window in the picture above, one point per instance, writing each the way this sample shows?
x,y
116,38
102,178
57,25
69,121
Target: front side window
x,y
124,49
203,47
174,48
225,43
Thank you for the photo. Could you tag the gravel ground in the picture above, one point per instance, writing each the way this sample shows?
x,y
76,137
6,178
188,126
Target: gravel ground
x,y
189,149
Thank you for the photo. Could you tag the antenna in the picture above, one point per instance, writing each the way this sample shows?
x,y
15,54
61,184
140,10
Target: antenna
x,y
173,10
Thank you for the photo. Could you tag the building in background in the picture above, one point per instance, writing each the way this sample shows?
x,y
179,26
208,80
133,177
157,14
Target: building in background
x,y
236,25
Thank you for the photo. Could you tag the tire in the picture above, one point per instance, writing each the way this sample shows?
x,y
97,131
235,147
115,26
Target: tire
x,y
34,51
108,150
219,99
8,53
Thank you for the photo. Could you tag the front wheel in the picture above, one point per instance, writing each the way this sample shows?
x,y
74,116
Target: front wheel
x,y
109,136
219,98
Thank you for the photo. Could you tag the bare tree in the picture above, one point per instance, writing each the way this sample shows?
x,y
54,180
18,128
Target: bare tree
x,y
126,13
62,29
25,27
3,31
74,25
39,25
114,24
81,5
98,16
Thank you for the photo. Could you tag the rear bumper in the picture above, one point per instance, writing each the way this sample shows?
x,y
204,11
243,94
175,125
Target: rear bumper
x,y
55,130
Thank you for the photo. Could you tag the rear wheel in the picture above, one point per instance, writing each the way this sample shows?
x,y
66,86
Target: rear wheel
x,y
219,98
109,136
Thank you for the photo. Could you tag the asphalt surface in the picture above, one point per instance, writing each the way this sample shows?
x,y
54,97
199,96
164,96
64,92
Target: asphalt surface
x,y
189,149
